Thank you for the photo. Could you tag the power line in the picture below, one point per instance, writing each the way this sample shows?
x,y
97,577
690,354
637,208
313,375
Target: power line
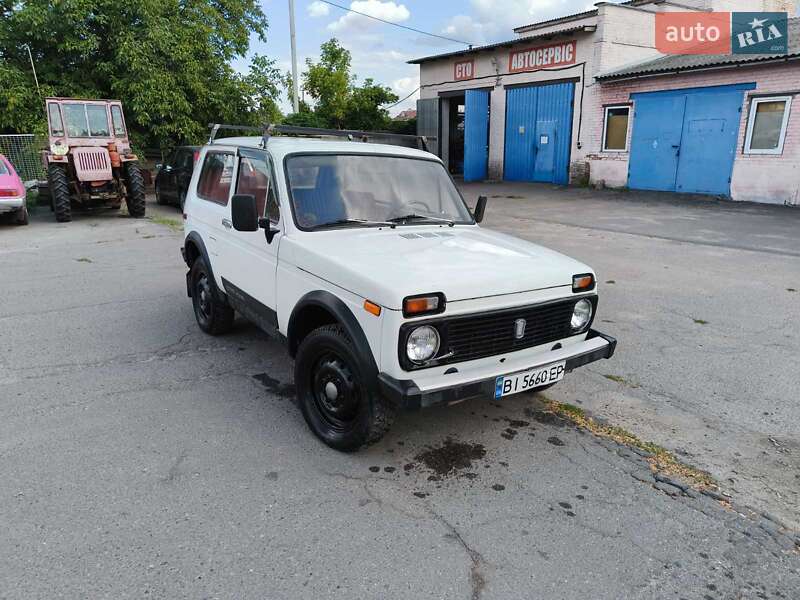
x,y
441,37
401,101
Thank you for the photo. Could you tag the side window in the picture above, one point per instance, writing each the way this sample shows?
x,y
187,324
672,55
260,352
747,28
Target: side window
x,y
56,124
117,120
254,179
766,125
215,178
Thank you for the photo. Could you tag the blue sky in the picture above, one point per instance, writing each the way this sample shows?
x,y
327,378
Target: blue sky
x,y
380,51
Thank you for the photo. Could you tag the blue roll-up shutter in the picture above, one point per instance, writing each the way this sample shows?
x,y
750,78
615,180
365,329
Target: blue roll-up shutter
x,y
476,134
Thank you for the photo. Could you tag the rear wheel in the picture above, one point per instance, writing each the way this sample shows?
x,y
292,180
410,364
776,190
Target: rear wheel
x,y
333,393
134,182
21,216
159,198
212,314
59,192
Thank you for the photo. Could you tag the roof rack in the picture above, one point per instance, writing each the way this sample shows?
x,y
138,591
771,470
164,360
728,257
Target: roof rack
x,y
268,131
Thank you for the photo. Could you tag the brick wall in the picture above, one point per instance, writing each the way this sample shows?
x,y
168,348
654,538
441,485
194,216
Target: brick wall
x,y
759,178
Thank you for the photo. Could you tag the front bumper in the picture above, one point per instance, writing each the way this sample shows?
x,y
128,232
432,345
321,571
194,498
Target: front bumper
x,y
11,204
405,393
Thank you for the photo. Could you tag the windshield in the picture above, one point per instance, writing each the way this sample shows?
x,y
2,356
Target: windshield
x,y
362,190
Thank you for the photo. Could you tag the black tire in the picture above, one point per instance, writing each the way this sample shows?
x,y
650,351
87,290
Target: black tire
x,y
59,192
21,216
134,182
212,314
333,392
159,199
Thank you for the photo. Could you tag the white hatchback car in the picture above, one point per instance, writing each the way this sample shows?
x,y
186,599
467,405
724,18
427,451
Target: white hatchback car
x,y
366,261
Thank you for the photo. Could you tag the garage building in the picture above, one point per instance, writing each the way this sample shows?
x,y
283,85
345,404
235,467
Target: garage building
x,y
584,97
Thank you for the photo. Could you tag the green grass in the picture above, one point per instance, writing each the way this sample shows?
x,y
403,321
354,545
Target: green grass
x,y
83,260
661,460
700,321
621,380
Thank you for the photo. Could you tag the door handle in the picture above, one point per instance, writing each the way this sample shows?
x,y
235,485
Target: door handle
x,y
226,223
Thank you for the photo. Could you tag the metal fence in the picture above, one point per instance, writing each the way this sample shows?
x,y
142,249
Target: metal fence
x,y
23,152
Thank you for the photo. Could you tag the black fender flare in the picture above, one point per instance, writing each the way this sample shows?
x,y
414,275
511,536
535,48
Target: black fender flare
x,y
345,317
195,239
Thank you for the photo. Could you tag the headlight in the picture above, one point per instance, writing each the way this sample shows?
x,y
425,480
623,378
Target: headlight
x,y
59,149
581,314
422,344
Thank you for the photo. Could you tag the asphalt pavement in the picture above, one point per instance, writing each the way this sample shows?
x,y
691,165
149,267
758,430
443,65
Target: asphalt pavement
x,y
142,458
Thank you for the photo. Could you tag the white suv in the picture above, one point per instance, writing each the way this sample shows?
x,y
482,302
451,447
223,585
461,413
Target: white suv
x,y
365,260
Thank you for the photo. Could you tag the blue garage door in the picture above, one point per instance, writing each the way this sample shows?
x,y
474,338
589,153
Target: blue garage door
x,y
476,134
685,140
538,132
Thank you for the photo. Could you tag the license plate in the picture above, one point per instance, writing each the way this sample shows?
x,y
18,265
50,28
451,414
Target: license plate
x,y
505,385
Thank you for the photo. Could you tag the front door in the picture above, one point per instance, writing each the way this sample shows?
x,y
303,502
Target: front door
x,y
544,162
249,261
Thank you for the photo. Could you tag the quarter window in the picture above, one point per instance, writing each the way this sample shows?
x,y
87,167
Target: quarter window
x,y
56,125
615,130
766,125
215,178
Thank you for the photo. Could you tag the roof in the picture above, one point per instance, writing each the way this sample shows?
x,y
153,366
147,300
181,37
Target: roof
x,y
506,44
281,145
688,62
556,21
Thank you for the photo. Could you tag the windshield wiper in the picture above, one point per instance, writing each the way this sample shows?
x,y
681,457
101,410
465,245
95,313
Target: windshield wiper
x,y
355,222
415,217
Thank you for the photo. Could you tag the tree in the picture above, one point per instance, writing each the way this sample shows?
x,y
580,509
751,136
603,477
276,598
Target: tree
x,y
338,102
364,107
168,61
328,83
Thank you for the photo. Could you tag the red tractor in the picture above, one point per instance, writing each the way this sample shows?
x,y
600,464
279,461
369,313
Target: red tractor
x,y
89,162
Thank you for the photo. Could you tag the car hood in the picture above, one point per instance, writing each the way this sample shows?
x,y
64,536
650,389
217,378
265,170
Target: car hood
x,y
463,262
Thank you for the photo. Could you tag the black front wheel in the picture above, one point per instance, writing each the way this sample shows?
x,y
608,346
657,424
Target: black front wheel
x,y
212,314
134,184
333,394
58,185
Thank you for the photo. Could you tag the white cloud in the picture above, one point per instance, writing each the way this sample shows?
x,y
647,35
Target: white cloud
x,y
388,11
318,9
494,20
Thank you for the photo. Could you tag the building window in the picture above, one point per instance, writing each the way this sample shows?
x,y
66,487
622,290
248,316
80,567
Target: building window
x,y
615,131
766,125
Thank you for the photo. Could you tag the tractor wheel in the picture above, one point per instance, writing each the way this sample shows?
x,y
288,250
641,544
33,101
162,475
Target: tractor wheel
x,y
59,192
135,185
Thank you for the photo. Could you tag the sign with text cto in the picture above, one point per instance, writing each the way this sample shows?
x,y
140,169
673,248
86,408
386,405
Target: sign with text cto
x,y
542,57
464,69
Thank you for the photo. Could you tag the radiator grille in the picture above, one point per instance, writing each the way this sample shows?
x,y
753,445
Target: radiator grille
x,y
92,164
491,334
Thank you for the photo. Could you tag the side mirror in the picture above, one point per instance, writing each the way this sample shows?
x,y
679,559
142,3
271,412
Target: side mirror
x,y
480,208
244,214
159,166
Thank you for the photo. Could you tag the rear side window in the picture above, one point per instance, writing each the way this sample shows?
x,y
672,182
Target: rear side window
x,y
56,124
3,168
214,184
117,120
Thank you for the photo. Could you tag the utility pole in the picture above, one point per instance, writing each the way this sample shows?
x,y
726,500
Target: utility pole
x,y
33,66
295,100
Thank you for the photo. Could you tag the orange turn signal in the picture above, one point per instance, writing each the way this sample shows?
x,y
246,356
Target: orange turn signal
x,y
372,308
583,283
423,305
